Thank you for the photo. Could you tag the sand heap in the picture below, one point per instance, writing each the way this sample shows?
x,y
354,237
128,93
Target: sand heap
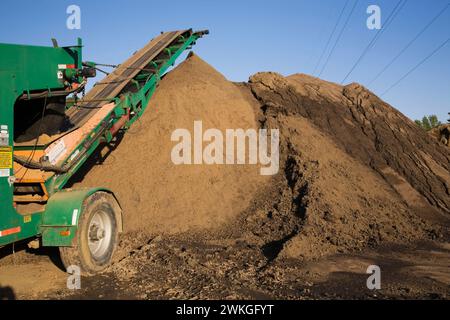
x,y
369,130
343,204
162,197
358,172
353,170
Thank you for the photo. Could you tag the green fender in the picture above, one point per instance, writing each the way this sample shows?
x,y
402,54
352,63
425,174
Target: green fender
x,y
62,213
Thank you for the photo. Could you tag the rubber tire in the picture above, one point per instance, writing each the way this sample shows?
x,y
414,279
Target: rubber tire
x,y
80,255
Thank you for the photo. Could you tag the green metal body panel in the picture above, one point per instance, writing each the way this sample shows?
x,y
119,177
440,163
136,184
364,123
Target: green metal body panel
x,y
35,67
24,70
55,223
8,216
63,210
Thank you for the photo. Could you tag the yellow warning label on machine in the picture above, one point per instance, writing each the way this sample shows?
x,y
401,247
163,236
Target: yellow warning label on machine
x,y
6,158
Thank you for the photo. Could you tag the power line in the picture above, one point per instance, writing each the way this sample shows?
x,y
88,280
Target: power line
x,y
339,37
331,36
409,44
417,66
398,7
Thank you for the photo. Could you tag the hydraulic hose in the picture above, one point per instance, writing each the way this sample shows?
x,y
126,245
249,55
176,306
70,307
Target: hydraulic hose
x,y
31,164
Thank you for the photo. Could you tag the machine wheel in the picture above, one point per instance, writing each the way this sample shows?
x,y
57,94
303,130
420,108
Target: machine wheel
x,y
97,235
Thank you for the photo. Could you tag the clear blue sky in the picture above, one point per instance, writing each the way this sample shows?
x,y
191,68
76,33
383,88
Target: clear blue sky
x,y
250,36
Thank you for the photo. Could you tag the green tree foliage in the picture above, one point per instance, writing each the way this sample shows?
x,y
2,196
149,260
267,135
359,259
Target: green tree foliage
x,y
428,122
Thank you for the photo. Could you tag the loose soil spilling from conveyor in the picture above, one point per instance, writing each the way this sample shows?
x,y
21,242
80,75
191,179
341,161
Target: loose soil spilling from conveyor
x,y
358,184
160,197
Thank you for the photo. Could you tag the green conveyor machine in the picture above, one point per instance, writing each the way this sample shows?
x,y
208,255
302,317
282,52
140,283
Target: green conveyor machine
x,y
49,129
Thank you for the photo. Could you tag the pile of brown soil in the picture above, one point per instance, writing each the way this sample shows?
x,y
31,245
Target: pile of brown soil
x,y
345,205
360,172
368,129
353,170
161,197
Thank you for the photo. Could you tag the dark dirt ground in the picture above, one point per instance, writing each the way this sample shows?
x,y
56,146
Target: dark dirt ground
x,y
231,265
231,269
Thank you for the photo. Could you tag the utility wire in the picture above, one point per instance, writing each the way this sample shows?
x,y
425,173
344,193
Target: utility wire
x,y
409,44
338,38
398,7
417,66
331,36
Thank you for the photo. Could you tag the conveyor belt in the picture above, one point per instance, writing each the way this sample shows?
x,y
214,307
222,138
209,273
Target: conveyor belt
x,y
115,82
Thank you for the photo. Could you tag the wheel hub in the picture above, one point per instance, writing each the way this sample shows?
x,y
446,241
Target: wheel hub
x,y
96,233
99,234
